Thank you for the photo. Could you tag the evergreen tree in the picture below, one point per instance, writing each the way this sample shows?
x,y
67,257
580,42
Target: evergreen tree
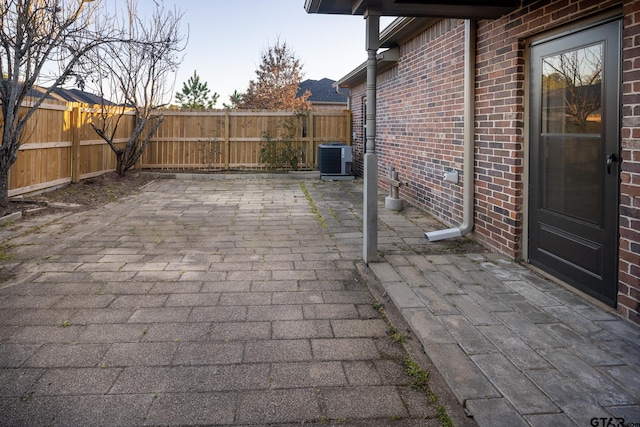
x,y
235,100
195,94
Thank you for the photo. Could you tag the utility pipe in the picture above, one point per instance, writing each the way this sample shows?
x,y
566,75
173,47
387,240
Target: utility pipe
x,y
469,134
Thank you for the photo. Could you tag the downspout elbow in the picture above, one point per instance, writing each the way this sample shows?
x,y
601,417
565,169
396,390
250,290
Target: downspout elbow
x,y
449,233
345,95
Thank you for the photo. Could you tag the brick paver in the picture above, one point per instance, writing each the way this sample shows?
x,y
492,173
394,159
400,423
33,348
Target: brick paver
x,y
199,302
228,302
515,348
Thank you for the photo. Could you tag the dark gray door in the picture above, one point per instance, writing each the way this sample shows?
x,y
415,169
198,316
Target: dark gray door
x,y
574,158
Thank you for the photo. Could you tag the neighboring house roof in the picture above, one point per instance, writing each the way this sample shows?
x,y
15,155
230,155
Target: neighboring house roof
x,y
77,95
36,91
67,95
322,92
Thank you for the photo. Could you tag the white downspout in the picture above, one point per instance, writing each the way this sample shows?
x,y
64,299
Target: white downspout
x,y
469,135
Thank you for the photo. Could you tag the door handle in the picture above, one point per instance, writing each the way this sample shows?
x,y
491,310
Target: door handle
x,y
613,157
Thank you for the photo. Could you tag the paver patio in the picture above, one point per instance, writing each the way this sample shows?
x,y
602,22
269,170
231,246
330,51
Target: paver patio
x,y
230,301
197,302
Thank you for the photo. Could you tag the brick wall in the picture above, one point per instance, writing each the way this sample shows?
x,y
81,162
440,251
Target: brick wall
x,y
357,126
419,119
629,265
420,126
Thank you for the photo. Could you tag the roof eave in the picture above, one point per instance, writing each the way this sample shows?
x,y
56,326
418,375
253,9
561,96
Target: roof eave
x,y
386,60
401,29
464,9
393,35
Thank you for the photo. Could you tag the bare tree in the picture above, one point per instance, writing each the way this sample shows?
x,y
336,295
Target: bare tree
x,y
135,76
38,35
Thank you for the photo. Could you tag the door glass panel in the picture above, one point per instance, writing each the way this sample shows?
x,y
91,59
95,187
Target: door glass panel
x,y
571,91
571,183
571,134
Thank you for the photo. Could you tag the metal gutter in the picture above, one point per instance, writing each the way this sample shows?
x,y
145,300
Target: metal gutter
x,y
469,134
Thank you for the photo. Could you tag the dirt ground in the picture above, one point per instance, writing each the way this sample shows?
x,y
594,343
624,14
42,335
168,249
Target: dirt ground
x,y
87,194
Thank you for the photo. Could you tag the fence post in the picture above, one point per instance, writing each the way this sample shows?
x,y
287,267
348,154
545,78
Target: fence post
x,y
311,133
227,142
75,124
347,119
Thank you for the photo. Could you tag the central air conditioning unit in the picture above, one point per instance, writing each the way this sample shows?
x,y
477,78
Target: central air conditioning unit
x,y
334,161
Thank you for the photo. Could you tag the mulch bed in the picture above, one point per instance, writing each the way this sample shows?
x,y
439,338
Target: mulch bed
x,y
87,194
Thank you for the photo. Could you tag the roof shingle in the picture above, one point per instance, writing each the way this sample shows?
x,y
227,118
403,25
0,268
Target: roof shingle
x,y
322,91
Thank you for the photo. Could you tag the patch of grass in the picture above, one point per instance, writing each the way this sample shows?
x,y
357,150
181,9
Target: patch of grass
x,y
379,307
396,335
420,381
4,253
392,331
26,397
65,324
314,207
444,418
419,377
333,213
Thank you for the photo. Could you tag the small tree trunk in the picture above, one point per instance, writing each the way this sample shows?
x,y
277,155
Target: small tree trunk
x,y
4,187
121,163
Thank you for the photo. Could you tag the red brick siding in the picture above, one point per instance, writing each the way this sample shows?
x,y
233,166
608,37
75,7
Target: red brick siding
x,y
499,137
419,127
357,126
629,264
500,107
419,119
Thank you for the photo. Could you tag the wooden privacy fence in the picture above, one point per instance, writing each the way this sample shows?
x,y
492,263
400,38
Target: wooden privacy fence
x,y
230,139
60,146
